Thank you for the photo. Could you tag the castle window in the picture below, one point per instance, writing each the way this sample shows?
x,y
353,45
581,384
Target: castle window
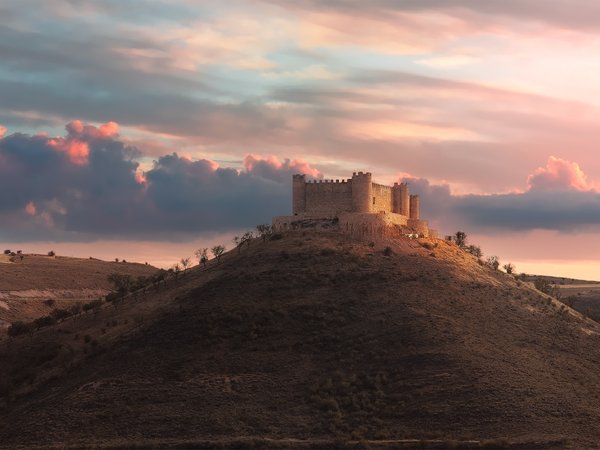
x,y
373,200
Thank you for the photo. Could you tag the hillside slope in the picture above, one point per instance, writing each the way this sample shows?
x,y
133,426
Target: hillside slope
x,y
307,339
26,283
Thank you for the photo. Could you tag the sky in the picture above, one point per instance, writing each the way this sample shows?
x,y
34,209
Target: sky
x,y
146,129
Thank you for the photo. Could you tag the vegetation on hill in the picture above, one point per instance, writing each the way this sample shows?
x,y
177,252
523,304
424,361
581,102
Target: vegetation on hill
x,y
309,339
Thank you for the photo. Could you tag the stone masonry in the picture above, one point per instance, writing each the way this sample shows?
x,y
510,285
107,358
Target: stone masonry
x,y
356,206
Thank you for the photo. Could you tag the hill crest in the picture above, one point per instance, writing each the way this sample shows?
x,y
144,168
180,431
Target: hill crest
x,y
314,337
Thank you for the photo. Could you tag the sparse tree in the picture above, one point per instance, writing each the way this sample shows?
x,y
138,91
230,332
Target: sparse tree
x,y
121,282
460,237
493,262
202,255
544,286
237,241
7,252
509,268
264,230
176,269
247,238
186,263
51,253
218,251
475,251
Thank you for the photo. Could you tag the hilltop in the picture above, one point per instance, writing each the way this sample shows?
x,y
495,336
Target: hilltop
x,y
26,283
313,340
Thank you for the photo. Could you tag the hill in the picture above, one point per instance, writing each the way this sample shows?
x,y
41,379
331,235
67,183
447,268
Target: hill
x,y
26,283
313,340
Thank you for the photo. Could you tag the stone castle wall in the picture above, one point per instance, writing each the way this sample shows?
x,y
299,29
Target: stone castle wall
x,y
382,198
356,206
328,198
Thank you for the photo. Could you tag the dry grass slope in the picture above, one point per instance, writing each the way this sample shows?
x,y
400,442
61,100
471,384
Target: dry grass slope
x,y
26,283
313,341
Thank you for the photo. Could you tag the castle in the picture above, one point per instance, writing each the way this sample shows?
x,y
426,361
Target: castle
x,y
355,206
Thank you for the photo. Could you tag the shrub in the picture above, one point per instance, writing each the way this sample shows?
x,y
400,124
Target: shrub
x,y
509,268
44,321
7,252
75,309
60,314
493,262
18,328
95,305
460,237
388,251
51,253
544,286
475,251
276,237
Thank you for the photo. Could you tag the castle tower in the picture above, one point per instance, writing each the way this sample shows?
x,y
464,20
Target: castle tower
x,y
299,194
362,192
404,200
396,198
415,207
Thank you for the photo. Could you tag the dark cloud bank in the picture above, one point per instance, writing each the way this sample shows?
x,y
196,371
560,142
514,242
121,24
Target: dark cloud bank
x,y
88,185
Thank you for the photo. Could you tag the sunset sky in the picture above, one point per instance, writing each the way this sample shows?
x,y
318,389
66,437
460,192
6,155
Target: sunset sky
x,y
146,129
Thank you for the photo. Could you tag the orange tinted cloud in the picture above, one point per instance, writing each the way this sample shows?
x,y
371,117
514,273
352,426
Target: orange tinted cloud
x,y
251,162
559,174
30,209
2,131
78,151
104,131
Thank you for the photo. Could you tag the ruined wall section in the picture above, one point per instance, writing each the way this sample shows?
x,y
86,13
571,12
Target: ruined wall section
x,y
327,198
382,198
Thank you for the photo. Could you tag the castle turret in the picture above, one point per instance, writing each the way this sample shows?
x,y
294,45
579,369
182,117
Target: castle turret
x,y
396,198
404,200
299,194
415,207
362,192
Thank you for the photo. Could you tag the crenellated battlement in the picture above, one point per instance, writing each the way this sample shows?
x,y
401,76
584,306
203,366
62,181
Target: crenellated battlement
x,y
332,198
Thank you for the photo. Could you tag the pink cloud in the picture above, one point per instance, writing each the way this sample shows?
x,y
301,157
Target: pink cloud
x,y
78,151
2,131
559,174
104,131
30,209
140,178
252,162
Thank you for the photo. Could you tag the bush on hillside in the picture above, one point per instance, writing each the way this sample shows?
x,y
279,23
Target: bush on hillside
x,y
19,328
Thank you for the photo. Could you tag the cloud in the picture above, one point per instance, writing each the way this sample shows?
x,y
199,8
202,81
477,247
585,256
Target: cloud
x,y
559,174
78,151
47,193
30,209
77,128
559,198
271,168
